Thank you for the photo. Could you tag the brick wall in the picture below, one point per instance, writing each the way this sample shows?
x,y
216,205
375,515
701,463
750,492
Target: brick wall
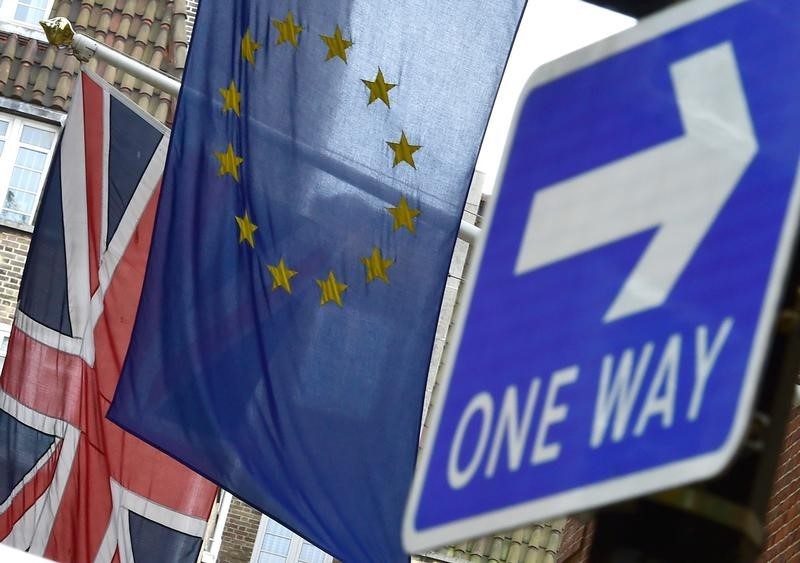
x,y
783,513
239,534
13,251
575,541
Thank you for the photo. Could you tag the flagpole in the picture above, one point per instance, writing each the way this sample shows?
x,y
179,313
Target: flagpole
x,y
59,32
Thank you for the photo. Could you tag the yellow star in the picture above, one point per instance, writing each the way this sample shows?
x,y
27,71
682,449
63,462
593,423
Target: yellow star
x,y
378,89
232,98
229,162
336,45
249,48
404,215
403,151
281,275
246,229
377,265
331,290
287,30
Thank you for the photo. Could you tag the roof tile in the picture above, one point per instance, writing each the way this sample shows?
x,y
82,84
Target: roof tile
x,y
537,543
7,58
152,31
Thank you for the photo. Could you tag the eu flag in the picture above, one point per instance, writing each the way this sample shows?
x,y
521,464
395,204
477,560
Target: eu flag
x,y
319,163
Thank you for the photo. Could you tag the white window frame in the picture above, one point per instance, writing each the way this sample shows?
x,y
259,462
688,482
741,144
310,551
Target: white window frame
x,y
8,156
294,547
5,336
8,10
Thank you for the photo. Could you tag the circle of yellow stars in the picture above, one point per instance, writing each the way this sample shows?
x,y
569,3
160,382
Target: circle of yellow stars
x,y
404,216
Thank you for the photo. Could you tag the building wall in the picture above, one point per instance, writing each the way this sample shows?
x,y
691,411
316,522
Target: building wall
x,y
239,534
783,513
14,246
576,541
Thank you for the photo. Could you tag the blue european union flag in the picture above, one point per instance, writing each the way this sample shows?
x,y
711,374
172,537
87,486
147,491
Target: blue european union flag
x,y
317,171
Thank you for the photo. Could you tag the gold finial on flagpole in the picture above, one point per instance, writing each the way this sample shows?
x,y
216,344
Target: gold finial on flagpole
x,y
58,31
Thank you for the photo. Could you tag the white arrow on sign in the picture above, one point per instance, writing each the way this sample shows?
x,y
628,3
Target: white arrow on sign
x,y
680,185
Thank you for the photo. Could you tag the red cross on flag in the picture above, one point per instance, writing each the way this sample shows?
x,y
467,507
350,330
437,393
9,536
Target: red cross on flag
x,y
73,486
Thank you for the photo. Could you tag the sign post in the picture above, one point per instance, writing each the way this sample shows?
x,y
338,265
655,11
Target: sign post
x,y
625,294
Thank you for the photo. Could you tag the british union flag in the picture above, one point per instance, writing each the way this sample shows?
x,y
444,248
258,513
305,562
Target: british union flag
x,y
73,486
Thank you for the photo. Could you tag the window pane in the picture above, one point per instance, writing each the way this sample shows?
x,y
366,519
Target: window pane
x,y
21,202
3,128
31,159
18,217
25,179
2,146
275,544
4,338
311,554
38,137
22,13
276,529
29,14
269,558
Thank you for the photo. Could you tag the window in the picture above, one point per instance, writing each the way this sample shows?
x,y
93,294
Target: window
x,y
276,544
26,12
5,336
26,148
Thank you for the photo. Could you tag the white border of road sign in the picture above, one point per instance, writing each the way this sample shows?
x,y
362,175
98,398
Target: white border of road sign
x,y
644,482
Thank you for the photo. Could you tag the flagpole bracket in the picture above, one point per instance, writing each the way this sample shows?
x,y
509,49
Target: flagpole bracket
x,y
83,48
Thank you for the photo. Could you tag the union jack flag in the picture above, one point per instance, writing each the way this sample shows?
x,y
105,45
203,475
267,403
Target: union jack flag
x,y
74,486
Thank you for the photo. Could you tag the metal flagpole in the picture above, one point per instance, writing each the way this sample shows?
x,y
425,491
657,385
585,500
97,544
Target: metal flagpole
x,y
59,32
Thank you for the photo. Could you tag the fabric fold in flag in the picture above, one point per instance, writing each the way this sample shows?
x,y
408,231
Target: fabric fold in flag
x,y
318,168
74,486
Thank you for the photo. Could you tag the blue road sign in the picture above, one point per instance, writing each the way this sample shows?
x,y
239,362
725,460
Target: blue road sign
x,y
623,297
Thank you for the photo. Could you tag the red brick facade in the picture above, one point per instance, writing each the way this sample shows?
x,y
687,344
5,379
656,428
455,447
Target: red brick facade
x,y
576,541
783,514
